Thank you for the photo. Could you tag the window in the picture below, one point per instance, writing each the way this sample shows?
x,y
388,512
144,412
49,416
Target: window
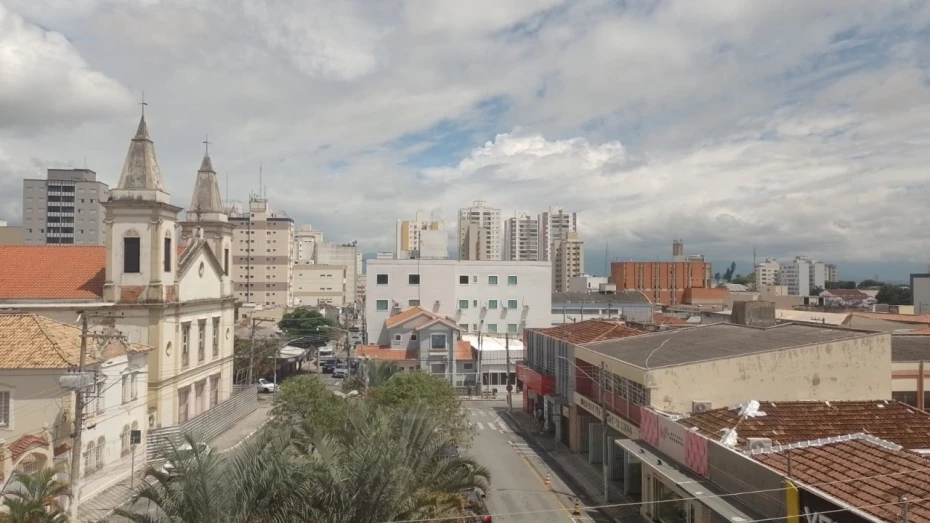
x,y
167,254
492,304
909,397
511,280
492,280
201,340
474,327
216,337
381,305
183,411
131,255
463,279
124,441
437,341
463,304
185,344
134,384
99,394
464,327
125,390
214,390
468,366
413,279
101,446
398,338
492,328
512,328
413,303
413,336
381,279
199,389
5,409
511,304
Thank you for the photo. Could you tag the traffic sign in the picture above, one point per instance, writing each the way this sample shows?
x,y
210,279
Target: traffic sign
x,y
509,388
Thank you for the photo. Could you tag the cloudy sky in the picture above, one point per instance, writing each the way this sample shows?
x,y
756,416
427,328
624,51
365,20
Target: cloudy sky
x,y
797,127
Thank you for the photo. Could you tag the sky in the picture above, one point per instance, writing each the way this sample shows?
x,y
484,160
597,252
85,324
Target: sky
x,y
788,126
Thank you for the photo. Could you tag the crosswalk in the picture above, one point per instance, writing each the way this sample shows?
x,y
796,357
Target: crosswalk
x,y
488,420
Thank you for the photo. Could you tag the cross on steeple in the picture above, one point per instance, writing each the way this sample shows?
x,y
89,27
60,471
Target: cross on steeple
x,y
206,142
143,104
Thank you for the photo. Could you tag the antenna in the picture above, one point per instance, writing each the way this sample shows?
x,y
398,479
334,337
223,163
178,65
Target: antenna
x,y
261,174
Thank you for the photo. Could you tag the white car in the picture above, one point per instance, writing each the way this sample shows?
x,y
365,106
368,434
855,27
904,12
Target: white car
x,y
266,386
341,371
185,451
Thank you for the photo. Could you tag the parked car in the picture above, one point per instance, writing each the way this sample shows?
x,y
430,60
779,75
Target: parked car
x,y
341,371
266,386
184,452
328,365
476,506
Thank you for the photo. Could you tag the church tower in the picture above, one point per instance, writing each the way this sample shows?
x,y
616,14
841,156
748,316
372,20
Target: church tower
x,y
141,230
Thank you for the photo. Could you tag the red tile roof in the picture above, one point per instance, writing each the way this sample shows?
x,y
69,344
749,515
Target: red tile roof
x,y
406,315
24,444
668,319
377,352
52,272
793,421
863,474
923,331
463,351
855,294
589,331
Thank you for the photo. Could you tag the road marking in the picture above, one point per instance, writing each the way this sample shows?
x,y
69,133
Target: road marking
x,y
543,483
504,428
479,425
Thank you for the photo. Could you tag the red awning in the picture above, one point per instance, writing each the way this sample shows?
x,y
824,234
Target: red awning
x,y
535,381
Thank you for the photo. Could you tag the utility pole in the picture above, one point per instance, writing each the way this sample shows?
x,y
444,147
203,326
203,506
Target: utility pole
x,y
509,386
604,460
78,425
255,323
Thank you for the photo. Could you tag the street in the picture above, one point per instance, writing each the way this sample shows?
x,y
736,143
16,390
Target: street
x,y
518,475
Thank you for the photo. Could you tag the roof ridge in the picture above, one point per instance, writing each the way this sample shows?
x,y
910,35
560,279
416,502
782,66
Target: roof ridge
x,y
55,346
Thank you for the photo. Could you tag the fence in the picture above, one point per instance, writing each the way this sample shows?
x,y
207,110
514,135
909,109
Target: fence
x,y
208,425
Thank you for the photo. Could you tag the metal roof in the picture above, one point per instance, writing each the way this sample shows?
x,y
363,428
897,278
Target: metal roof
x,y
910,348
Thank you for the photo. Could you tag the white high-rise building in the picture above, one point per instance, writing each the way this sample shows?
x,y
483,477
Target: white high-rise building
x,y
554,224
802,275
567,261
521,238
479,232
421,238
305,241
767,273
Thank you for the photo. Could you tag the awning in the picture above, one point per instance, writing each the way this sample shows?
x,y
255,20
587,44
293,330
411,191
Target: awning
x,y
291,353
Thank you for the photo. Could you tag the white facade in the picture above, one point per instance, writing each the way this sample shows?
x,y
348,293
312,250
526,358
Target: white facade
x,y
521,238
317,284
554,224
567,260
411,235
345,256
802,275
480,233
306,238
434,244
493,297
586,283
767,273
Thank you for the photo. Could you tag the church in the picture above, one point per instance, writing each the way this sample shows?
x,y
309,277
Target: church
x,y
160,281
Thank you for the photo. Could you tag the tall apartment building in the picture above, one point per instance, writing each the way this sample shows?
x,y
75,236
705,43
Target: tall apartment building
x,y
521,238
767,273
66,207
802,276
343,256
554,224
421,238
480,232
567,261
830,272
317,284
306,238
263,255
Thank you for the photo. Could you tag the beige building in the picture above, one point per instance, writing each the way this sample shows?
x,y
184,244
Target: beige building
x,y
521,238
480,232
567,261
554,224
412,234
263,255
910,374
306,238
10,235
318,284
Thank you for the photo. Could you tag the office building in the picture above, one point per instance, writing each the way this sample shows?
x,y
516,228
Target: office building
x,y
66,207
480,233
263,255
421,238
830,274
767,273
802,276
567,260
306,238
521,238
554,224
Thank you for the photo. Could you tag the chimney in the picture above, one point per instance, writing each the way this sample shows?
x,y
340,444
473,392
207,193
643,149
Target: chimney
x,y
753,313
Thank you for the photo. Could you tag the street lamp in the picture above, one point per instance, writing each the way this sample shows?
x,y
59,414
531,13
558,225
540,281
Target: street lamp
x,y
604,462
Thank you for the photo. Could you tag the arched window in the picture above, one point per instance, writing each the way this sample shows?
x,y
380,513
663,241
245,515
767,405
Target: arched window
x,y
124,441
168,254
89,455
101,447
132,252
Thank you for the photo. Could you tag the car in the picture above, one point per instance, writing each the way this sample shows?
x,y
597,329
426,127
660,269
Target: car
x,y
341,371
266,386
328,365
475,498
184,452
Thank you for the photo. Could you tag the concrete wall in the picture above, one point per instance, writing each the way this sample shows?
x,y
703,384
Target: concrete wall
x,y
735,472
36,399
855,369
317,284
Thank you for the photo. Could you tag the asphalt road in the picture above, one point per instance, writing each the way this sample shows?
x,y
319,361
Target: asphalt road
x,y
518,474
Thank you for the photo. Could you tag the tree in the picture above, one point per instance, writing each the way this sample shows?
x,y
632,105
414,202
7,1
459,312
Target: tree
x,y
816,291
830,285
408,389
716,276
264,357
305,397
728,275
307,323
895,295
739,279
865,284
34,498
371,375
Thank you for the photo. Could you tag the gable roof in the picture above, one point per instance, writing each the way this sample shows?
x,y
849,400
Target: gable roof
x,y
849,294
377,352
30,341
404,316
589,331
789,422
437,319
52,272
188,256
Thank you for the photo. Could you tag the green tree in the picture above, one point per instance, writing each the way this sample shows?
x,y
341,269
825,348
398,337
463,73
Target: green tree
x,y
34,498
739,279
717,276
728,275
895,295
865,284
371,375
305,397
840,285
264,357
408,389
307,323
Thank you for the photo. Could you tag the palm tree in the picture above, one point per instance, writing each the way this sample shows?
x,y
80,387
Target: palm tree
x,y
35,498
372,375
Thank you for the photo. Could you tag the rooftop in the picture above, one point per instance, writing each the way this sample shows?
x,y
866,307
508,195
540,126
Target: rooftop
x,y
489,343
589,331
52,272
910,347
789,422
595,297
713,342
383,352
900,318
864,474
855,294
414,312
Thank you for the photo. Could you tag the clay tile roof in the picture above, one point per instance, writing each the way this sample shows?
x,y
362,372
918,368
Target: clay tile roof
x,y
910,347
30,341
377,352
922,332
408,314
25,443
668,319
862,474
848,293
463,351
589,331
900,318
794,421
52,272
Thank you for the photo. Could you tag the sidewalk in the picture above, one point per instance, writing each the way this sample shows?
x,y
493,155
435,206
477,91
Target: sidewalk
x,y
587,478
101,504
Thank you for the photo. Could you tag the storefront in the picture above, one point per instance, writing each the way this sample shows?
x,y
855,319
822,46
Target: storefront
x,y
535,387
590,419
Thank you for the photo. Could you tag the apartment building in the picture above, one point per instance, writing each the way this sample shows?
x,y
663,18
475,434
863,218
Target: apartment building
x,y
9,234
263,255
567,260
65,208
344,255
661,282
553,224
490,297
802,276
521,238
480,232
318,284
830,273
421,238
306,238
767,273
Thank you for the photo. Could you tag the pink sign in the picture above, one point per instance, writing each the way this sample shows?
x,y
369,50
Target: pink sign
x,y
649,427
696,453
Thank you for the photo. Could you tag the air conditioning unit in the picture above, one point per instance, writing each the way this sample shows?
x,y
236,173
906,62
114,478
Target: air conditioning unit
x,y
759,444
700,406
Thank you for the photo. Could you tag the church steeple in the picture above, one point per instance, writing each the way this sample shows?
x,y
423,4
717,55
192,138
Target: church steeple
x,y
140,170
206,203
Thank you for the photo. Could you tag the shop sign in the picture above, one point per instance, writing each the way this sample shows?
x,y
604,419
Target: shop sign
x,y
672,439
622,426
815,509
566,411
589,405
